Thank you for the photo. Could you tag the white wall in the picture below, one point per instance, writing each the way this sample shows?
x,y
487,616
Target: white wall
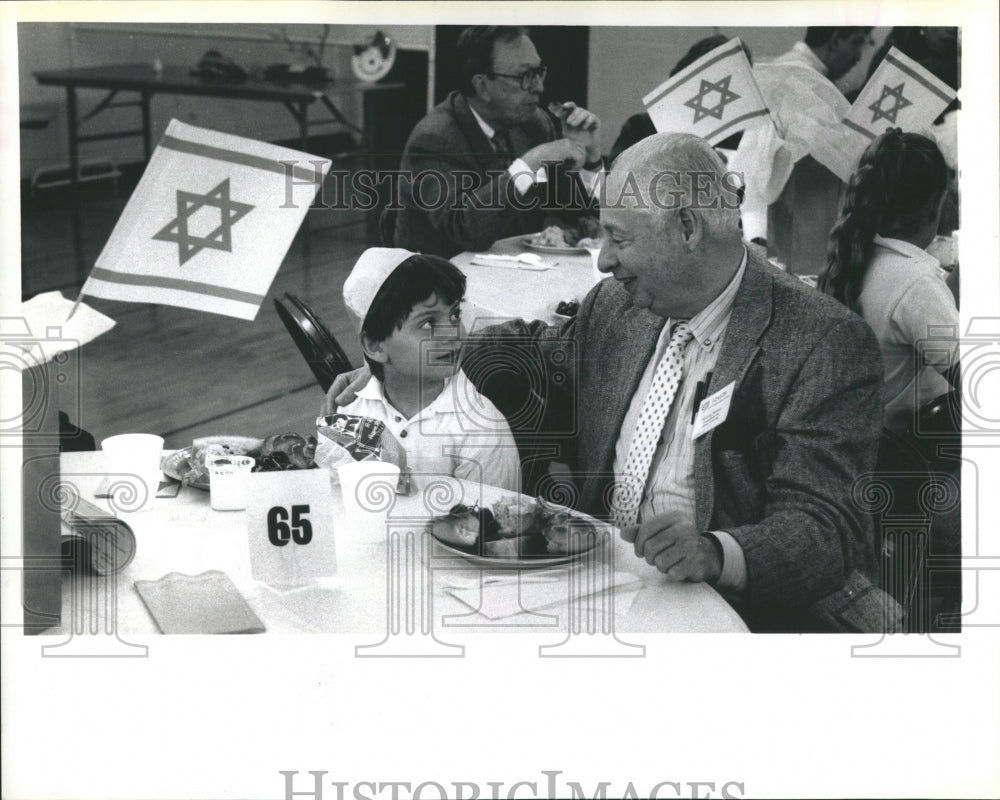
x,y
625,63
60,45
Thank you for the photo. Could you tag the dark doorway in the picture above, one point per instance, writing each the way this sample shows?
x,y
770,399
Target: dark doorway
x,y
564,49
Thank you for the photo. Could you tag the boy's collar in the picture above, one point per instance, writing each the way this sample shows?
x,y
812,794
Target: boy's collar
x,y
375,390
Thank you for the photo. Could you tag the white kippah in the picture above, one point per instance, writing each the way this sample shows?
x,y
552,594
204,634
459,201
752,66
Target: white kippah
x,y
369,273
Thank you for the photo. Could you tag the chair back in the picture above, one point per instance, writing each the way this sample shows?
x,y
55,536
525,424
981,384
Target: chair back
x,y
325,357
899,497
387,227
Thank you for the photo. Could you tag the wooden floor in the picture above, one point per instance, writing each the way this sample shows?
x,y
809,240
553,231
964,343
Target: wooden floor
x,y
183,373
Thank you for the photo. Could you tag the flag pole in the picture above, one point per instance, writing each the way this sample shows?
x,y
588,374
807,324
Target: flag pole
x,y
76,305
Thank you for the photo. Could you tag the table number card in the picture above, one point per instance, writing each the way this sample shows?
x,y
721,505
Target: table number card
x,y
290,527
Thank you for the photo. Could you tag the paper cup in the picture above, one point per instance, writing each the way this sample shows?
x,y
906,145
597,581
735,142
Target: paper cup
x,y
132,462
228,480
368,489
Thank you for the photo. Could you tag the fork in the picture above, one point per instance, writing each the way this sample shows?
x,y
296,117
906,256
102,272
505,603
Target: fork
x,y
498,580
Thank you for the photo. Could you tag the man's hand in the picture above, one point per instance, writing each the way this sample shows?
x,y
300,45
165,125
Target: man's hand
x,y
671,543
557,151
581,126
345,389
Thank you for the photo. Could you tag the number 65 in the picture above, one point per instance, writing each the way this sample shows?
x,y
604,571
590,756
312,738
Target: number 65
x,y
278,530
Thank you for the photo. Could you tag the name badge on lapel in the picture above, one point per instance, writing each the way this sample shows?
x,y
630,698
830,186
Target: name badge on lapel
x,y
713,410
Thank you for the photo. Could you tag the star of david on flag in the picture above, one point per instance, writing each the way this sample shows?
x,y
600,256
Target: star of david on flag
x,y
714,97
208,224
188,203
899,94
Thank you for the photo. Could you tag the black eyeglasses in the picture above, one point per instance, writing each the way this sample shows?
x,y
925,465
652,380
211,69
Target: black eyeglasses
x,y
528,78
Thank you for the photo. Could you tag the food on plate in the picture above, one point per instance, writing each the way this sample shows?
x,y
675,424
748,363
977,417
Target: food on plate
x,y
552,236
515,528
568,308
278,452
590,230
585,233
207,446
464,525
283,451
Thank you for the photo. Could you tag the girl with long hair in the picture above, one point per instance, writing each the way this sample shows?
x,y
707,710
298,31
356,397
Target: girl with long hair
x,y
877,265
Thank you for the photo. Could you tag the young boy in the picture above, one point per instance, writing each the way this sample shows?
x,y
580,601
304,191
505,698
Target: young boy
x,y
409,309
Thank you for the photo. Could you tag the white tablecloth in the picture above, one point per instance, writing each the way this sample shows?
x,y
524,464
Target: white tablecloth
x,y
366,597
508,292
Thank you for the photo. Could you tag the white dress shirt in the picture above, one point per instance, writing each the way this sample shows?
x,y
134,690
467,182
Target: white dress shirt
x,y
802,54
520,172
670,484
459,433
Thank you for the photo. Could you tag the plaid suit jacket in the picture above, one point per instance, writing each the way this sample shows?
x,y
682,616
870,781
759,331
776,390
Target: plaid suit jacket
x,y
804,423
456,192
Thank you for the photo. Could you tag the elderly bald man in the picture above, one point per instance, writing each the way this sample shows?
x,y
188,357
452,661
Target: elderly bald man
x,y
723,408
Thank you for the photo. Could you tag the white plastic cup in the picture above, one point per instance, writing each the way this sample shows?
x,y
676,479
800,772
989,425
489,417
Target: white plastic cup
x,y
132,461
228,477
368,489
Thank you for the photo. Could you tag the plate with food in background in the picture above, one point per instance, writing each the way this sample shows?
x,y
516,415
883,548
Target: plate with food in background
x,y
515,532
277,452
565,239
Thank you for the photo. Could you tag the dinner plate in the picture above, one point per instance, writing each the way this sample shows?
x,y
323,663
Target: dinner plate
x,y
177,464
529,242
494,562
528,562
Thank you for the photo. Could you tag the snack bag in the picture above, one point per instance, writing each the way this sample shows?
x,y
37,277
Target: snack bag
x,y
342,438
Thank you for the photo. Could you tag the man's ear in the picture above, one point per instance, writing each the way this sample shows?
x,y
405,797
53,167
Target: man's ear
x,y
481,87
373,349
691,226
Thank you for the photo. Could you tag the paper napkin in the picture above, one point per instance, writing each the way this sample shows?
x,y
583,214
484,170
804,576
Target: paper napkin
x,y
509,599
205,603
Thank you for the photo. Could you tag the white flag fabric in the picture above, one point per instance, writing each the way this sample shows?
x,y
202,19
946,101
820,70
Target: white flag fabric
x,y
208,224
900,94
714,97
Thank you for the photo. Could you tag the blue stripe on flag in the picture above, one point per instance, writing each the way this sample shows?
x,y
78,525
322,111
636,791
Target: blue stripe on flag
x,y
233,157
161,282
762,112
930,87
706,65
860,129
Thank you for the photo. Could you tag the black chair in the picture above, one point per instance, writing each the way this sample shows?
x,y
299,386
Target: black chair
x,y
325,357
387,227
900,496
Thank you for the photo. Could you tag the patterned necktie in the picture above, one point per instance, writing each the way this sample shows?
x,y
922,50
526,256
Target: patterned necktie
x,y
655,408
504,149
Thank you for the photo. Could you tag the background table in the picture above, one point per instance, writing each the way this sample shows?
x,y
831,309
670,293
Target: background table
x,y
147,81
183,534
508,292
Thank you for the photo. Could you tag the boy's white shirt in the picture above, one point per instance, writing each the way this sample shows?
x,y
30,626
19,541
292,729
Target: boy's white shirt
x,y
459,433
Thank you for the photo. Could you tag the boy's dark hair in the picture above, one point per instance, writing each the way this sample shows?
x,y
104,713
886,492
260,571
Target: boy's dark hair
x,y
474,51
411,282
819,36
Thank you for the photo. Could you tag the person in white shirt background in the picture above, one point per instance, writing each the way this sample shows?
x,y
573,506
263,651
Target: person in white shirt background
x,y
878,265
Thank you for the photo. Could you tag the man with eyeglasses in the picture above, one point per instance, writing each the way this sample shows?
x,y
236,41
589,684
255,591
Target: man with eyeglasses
x,y
489,161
